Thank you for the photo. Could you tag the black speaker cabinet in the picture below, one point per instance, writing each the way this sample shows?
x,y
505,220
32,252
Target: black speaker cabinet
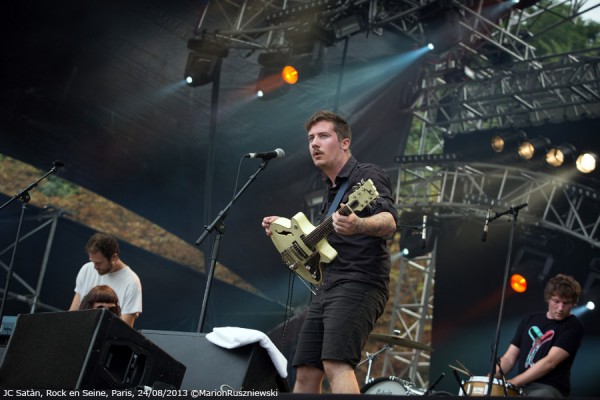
x,y
91,349
211,367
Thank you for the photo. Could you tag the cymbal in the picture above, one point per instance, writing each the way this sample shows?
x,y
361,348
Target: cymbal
x,y
399,341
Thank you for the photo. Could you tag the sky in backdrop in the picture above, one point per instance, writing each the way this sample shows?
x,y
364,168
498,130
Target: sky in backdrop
x,y
594,14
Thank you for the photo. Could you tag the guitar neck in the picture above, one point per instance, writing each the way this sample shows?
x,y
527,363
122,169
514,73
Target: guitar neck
x,y
324,228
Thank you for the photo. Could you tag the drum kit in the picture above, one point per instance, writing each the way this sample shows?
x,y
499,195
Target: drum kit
x,y
474,386
391,385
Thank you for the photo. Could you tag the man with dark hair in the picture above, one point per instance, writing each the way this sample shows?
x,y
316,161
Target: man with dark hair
x,y
106,268
545,344
355,285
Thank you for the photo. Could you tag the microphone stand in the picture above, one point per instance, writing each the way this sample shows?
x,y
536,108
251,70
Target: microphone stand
x,y
514,212
24,196
218,226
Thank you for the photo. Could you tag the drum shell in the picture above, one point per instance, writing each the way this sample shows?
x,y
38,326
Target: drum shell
x,y
391,386
478,386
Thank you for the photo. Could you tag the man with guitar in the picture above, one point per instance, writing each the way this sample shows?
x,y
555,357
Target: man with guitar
x,y
354,286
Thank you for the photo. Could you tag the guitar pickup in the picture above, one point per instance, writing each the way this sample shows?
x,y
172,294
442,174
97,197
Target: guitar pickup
x,y
298,251
312,248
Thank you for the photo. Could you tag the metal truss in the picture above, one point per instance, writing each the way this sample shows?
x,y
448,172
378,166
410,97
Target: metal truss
x,y
493,79
565,90
263,24
32,298
486,76
413,313
457,189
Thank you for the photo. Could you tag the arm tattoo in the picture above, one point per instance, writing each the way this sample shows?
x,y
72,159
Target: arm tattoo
x,y
375,225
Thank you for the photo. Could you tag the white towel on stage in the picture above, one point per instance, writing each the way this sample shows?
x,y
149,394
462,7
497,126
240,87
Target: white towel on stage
x,y
231,337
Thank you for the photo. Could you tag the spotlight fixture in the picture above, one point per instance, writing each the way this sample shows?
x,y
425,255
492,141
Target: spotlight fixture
x,y
441,25
497,143
532,148
289,75
502,141
307,53
558,155
204,61
271,81
587,162
518,283
348,26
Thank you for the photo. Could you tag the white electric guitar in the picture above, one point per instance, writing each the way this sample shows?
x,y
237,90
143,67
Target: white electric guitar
x,y
303,247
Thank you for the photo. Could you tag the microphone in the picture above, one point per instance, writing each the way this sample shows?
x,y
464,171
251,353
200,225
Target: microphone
x,y
485,227
58,164
424,232
269,155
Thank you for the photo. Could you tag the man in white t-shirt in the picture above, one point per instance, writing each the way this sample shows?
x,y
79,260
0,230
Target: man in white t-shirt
x,y
106,268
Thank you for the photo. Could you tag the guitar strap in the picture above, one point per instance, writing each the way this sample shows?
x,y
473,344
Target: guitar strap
x,y
338,197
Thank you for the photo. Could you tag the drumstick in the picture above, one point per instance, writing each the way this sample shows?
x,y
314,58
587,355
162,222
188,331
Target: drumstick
x,y
463,367
462,371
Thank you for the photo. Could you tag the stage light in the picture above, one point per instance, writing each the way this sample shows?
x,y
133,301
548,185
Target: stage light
x,y
307,55
586,162
590,305
558,155
430,46
532,148
518,283
271,83
441,24
508,140
497,143
289,75
348,26
204,61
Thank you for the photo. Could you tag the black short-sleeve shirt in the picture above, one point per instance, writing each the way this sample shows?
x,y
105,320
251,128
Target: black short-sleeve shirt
x,y
360,257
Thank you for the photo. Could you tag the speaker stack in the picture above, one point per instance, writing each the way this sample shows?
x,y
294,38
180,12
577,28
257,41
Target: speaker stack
x,y
210,367
91,349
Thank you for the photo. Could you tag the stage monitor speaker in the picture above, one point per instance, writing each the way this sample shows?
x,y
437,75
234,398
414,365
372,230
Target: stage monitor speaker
x,y
211,367
91,349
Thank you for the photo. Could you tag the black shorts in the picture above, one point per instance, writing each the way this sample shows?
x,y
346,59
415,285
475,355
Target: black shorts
x,y
338,323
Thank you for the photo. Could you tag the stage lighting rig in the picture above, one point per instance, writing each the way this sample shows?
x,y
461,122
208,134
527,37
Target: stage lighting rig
x,y
272,81
441,23
204,61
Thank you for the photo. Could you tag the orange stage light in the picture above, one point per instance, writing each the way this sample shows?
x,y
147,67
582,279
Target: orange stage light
x,y
289,74
518,283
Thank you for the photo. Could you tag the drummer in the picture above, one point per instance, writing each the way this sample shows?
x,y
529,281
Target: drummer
x,y
545,344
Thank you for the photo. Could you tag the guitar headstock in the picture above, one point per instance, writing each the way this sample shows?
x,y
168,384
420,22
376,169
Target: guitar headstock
x,y
362,195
